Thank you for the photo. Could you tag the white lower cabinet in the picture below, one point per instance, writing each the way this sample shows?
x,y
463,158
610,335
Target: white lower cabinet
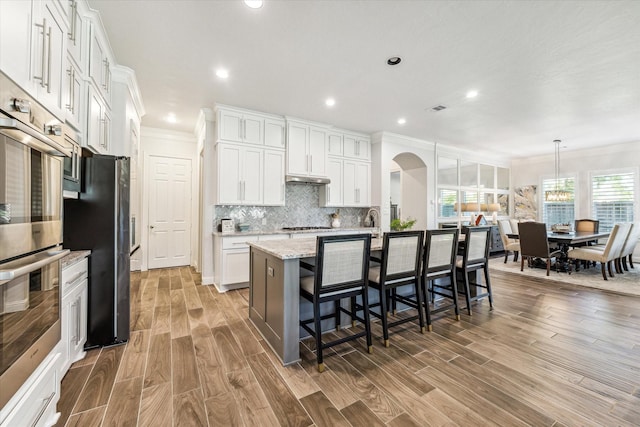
x,y
37,404
74,288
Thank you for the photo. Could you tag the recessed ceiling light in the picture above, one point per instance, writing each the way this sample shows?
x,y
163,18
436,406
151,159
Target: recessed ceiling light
x,y
222,73
330,102
171,118
472,94
402,121
394,60
253,4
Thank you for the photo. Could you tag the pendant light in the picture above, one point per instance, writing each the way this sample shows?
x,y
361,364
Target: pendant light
x,y
557,195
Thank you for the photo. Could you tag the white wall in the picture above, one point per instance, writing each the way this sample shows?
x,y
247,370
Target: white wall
x,y
580,164
162,142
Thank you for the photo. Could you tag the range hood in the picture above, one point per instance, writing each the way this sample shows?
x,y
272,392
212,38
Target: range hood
x,y
300,179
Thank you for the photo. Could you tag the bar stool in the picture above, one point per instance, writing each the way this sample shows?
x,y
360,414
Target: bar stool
x,y
399,266
340,271
476,257
439,262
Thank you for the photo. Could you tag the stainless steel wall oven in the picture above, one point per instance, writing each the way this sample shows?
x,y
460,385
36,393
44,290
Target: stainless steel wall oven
x,y
32,147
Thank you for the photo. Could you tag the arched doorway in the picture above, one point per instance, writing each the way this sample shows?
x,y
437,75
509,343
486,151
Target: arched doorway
x,y
408,189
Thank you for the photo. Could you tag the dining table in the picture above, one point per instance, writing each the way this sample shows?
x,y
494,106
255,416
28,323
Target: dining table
x,y
566,240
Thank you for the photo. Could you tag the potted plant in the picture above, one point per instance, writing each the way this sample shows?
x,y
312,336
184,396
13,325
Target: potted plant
x,y
400,225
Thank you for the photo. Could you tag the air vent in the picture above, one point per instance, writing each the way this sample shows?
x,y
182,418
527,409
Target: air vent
x,y
438,108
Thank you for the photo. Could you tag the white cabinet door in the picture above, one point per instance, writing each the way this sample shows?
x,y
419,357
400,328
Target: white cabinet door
x,y
350,142
54,54
349,183
99,64
15,41
95,114
332,194
229,123
73,91
75,41
235,266
297,156
317,151
251,169
363,178
252,129
357,147
274,133
229,174
274,177
80,333
334,144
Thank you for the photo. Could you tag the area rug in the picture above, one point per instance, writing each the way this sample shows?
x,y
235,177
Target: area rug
x,y
627,283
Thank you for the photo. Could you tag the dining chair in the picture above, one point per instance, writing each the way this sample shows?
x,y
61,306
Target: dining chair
x,y
399,266
587,225
439,264
534,244
475,257
604,255
509,244
629,246
340,270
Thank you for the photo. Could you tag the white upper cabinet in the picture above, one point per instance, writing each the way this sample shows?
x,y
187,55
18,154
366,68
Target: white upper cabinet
x,y
274,177
334,144
33,38
332,194
74,96
99,63
274,133
76,34
306,149
357,146
98,123
248,127
356,183
240,175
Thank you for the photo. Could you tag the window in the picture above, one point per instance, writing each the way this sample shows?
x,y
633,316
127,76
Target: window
x,y
612,198
558,212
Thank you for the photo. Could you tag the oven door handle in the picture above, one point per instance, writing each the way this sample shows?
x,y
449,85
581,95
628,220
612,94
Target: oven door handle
x,y
22,269
46,144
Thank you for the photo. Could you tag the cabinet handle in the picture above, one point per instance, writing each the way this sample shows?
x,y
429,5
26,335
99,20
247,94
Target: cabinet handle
x,y
239,190
282,193
328,193
41,76
49,61
73,91
72,34
357,148
310,163
75,279
78,319
75,316
244,189
70,73
44,408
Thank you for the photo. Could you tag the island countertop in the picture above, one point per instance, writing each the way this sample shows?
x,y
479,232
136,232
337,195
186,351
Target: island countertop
x,y
297,248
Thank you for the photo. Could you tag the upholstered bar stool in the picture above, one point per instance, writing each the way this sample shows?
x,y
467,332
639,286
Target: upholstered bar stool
x,y
340,271
475,257
399,267
439,263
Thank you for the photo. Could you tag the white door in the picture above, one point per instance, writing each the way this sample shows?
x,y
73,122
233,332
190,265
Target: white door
x,y
169,212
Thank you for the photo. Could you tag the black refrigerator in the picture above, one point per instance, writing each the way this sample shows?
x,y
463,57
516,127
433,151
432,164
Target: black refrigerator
x,y
99,221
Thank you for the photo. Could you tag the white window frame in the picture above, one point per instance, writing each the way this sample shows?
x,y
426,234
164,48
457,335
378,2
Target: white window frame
x,y
636,188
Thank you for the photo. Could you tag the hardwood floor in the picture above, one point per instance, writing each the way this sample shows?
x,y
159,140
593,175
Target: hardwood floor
x,y
548,355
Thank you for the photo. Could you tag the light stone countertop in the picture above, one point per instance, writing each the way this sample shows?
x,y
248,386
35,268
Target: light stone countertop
x,y
73,258
373,230
297,248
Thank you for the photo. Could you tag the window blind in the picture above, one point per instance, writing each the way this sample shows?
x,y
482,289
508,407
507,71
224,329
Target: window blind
x,y
612,198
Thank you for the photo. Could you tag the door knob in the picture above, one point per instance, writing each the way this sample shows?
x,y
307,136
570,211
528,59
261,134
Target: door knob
x,y
152,227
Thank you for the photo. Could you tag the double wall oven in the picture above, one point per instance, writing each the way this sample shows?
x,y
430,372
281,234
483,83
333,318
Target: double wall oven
x,y
32,149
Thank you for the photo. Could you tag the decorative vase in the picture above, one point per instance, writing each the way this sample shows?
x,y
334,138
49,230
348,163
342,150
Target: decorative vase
x,y
335,223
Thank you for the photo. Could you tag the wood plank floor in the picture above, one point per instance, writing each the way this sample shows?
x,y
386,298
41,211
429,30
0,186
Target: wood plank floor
x,y
548,355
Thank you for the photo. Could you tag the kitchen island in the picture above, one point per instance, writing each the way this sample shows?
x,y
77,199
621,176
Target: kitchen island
x,y
274,292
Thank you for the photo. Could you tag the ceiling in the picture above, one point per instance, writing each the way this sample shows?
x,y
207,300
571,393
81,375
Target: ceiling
x,y
544,70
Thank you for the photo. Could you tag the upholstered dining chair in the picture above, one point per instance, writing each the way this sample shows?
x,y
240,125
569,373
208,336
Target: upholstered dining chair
x,y
340,271
587,225
604,255
399,267
629,246
475,257
534,244
509,244
439,264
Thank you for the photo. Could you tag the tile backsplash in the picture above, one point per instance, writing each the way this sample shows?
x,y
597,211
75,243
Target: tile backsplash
x,y
302,209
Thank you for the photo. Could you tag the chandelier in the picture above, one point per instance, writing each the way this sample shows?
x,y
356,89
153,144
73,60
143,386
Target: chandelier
x,y
557,195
